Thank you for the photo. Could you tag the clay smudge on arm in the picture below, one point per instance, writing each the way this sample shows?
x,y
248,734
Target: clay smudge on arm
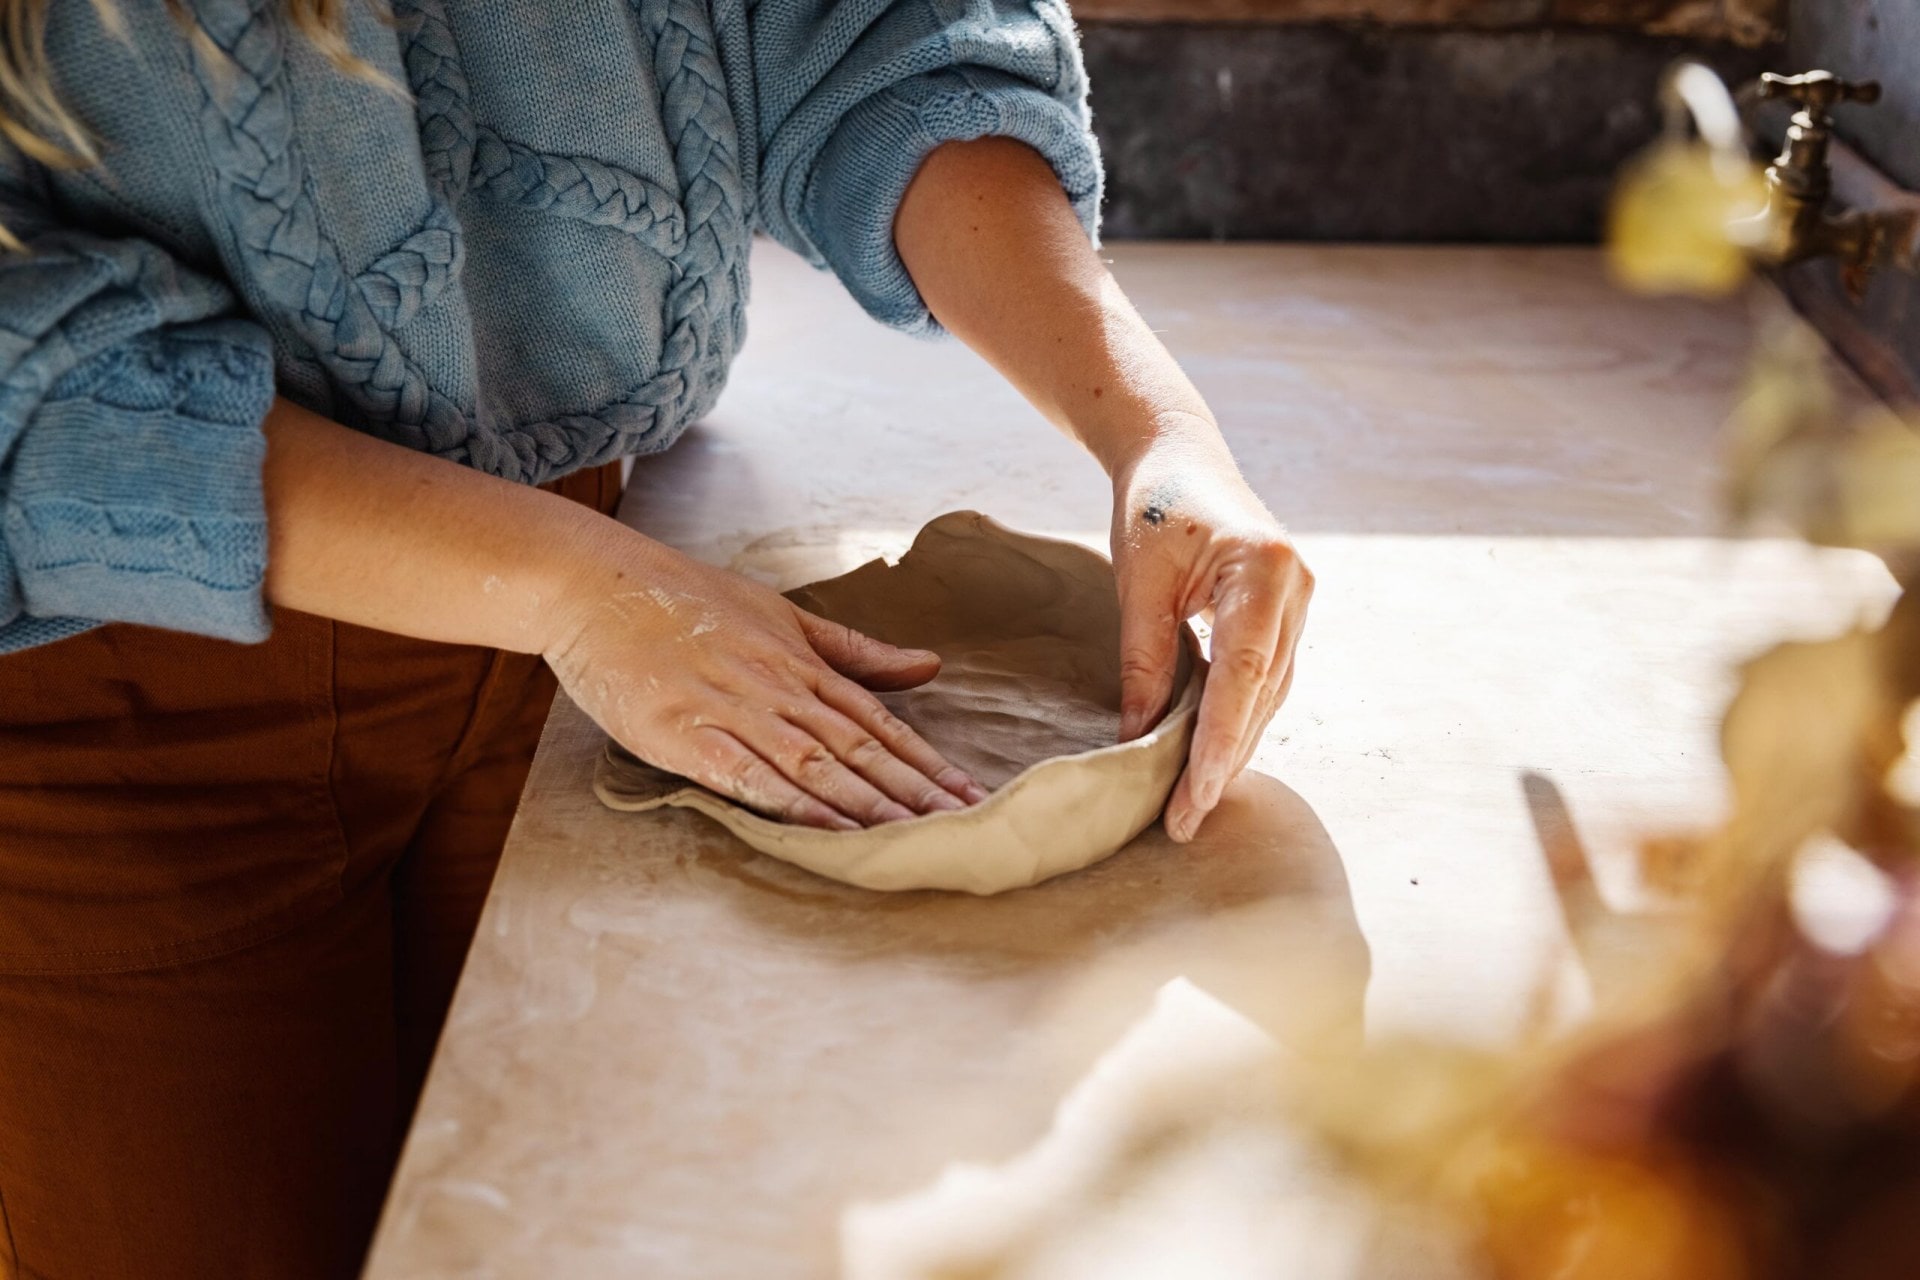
x,y
1160,503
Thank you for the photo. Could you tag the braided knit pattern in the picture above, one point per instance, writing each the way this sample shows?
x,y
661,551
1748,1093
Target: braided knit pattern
x,y
440,94
706,154
399,283
581,188
348,319
246,121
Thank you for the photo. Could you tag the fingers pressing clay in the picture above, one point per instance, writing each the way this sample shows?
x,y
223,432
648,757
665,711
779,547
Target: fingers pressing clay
x,y
1183,817
900,738
1270,703
876,761
1246,634
815,768
1149,649
733,769
873,663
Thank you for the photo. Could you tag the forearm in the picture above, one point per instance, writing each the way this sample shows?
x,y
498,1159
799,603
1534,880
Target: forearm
x,y
1003,263
370,533
999,258
690,668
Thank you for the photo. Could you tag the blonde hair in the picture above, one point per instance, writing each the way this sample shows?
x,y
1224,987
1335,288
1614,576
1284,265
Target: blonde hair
x,y
32,116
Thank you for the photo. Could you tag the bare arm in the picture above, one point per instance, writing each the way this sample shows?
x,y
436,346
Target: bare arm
x,y
693,669
1000,259
380,536
1002,262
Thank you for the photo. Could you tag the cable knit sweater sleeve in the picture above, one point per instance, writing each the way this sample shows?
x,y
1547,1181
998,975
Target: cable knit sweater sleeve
x,y
130,443
853,94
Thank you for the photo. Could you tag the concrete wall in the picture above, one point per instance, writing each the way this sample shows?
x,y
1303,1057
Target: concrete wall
x,y
1752,22
1371,132
1867,40
1438,119
1499,120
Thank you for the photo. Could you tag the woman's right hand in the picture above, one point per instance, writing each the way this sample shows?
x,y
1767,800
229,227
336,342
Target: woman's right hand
x,y
702,673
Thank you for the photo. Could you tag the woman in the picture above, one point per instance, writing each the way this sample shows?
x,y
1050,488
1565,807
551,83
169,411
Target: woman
x,y
349,314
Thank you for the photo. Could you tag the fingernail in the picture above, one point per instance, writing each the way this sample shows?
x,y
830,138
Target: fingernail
x,y
1129,725
891,812
943,802
841,822
1180,828
967,789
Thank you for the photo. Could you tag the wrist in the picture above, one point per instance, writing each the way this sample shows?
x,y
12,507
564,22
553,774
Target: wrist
x,y
1173,437
582,566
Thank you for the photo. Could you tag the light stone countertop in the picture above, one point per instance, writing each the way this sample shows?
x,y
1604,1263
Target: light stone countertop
x,y
672,1058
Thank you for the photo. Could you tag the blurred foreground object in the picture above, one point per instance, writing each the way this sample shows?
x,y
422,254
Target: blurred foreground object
x,y
1691,210
1748,1107
1176,1155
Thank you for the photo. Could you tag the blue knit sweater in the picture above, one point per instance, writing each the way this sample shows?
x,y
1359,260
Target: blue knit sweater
x,y
535,263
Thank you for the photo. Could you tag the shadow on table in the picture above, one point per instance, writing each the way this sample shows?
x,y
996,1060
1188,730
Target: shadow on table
x,y
1619,952
1256,910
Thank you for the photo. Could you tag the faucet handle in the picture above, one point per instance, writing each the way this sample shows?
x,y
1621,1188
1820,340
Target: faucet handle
x,y
1818,92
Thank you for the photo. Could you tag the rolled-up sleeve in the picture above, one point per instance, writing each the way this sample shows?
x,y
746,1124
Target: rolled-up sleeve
x,y
131,403
853,95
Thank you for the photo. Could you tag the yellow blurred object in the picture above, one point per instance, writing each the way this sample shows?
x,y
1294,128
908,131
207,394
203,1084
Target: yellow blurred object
x,y
1787,395
1878,479
1856,486
1794,458
1554,1211
1685,218
1808,742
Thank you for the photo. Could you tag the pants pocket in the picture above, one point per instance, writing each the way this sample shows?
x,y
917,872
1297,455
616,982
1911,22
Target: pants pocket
x,y
164,797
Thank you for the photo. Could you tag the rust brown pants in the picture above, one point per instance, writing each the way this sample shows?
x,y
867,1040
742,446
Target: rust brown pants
x,y
237,884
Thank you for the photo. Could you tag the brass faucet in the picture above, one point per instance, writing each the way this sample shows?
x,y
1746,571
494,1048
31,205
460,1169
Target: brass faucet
x,y
1800,184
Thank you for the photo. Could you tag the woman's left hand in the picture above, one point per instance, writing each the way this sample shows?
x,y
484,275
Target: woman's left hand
x,y
1190,537
1000,258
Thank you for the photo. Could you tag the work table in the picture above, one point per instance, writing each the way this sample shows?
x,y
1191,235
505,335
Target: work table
x,y
670,1057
